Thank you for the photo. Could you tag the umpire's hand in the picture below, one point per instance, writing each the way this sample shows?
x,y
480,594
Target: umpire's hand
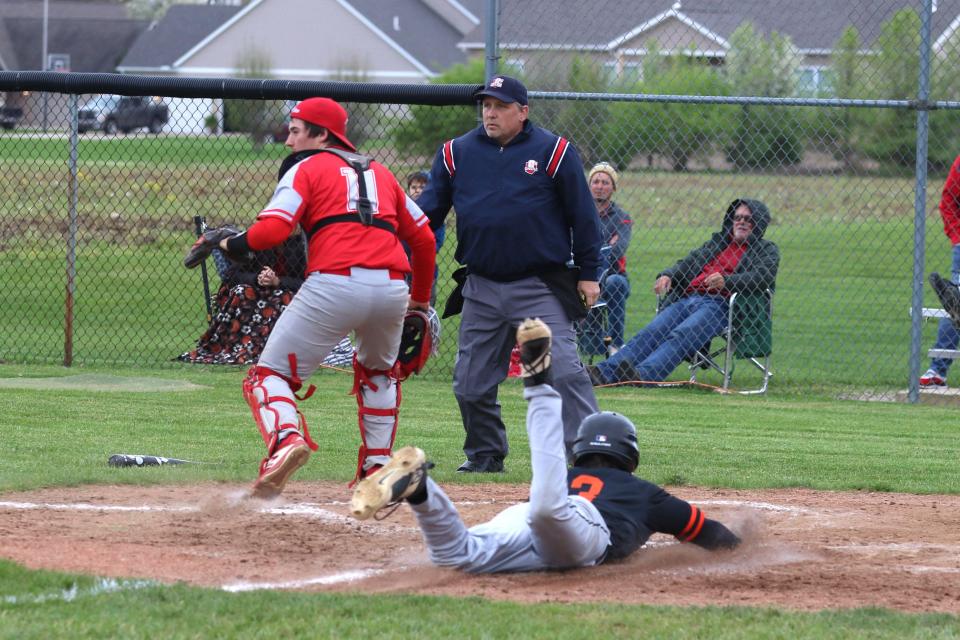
x,y
589,292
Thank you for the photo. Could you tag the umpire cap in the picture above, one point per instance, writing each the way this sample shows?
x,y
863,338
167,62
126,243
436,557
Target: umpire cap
x,y
325,113
609,434
504,89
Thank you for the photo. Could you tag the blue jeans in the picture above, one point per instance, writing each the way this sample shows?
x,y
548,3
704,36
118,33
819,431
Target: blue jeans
x,y
947,336
615,291
673,334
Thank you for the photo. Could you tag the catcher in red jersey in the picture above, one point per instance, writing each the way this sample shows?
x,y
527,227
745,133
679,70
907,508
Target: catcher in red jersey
x,y
355,215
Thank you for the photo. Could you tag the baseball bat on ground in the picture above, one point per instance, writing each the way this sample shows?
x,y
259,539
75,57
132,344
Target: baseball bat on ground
x,y
136,460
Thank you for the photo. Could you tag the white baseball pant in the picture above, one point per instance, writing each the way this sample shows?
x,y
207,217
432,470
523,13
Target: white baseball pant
x,y
325,309
553,530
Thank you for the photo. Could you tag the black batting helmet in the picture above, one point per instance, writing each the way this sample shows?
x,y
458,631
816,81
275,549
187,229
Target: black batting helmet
x,y
610,434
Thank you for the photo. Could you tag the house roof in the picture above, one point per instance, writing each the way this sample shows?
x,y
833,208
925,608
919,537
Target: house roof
x,y
417,29
94,34
413,28
813,25
180,29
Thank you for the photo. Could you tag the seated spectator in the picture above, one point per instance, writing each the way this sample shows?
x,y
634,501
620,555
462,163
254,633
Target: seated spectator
x,y
250,299
735,260
616,228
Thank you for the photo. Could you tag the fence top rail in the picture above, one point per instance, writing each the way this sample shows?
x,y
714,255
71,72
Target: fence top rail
x,y
744,100
372,92
267,89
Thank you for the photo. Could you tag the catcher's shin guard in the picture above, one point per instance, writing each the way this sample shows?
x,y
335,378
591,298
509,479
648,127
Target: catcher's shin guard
x,y
282,426
378,410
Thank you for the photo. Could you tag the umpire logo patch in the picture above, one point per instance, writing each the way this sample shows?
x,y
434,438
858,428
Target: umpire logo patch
x,y
530,167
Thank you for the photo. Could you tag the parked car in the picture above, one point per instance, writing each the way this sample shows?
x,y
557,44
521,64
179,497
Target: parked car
x,y
111,114
10,116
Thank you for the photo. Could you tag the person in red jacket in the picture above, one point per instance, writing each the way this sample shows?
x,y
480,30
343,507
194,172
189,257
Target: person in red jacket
x,y
947,336
355,215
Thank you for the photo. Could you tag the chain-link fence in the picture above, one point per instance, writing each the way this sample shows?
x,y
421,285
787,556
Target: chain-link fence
x,y
816,110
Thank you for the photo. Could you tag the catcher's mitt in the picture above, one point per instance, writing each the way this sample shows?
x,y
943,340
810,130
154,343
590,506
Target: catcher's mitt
x,y
418,341
949,296
207,242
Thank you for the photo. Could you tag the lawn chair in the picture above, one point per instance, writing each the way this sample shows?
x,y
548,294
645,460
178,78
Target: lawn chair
x,y
749,336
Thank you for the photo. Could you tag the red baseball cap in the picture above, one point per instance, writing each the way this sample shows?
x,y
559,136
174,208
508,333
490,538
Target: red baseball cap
x,y
325,113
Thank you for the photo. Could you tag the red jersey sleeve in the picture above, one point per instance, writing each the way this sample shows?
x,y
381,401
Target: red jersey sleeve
x,y
276,220
413,227
268,232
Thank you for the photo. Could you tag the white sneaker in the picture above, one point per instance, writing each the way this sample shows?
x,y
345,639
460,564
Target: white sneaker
x,y
932,379
612,350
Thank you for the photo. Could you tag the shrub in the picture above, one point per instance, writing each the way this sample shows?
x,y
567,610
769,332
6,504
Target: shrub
x,y
758,66
427,127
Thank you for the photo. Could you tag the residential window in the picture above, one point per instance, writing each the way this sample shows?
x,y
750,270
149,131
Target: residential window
x,y
626,73
815,82
512,66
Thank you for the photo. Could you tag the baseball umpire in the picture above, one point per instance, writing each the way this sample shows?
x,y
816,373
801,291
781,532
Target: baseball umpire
x,y
596,511
523,211
355,214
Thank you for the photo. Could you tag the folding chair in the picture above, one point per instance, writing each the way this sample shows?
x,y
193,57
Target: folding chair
x,y
749,336
593,338
593,332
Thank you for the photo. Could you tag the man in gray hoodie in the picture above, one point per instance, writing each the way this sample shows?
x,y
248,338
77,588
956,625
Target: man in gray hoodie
x,y
696,291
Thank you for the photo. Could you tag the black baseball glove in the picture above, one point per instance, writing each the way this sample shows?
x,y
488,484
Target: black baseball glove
x,y
207,242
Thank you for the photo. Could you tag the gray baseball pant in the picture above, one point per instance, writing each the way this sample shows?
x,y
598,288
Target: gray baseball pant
x,y
553,530
492,311
325,309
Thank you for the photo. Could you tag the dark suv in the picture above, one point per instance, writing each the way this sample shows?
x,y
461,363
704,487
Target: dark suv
x,y
122,113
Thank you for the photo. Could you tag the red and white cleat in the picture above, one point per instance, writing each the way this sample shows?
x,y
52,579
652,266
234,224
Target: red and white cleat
x,y
276,469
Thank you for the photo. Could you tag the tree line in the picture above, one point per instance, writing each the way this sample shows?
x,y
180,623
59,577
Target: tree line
x,y
749,137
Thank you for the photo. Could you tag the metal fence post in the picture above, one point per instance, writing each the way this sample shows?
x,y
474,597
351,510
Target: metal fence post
x,y
71,235
919,204
492,53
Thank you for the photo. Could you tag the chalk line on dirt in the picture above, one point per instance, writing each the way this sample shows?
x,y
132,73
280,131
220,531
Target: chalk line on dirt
x,y
760,506
336,578
84,506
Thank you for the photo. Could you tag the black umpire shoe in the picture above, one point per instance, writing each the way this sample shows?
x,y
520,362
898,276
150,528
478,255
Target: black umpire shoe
x,y
949,296
482,465
595,378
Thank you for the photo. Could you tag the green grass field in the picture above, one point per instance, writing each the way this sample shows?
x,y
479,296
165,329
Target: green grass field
x,y
63,438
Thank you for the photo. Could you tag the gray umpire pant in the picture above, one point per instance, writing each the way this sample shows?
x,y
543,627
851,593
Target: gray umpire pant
x,y
492,311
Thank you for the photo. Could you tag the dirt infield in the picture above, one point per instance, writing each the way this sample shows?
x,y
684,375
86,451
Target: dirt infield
x,y
804,550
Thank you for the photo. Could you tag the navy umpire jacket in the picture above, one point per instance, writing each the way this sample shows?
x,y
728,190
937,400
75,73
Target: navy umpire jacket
x,y
518,206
